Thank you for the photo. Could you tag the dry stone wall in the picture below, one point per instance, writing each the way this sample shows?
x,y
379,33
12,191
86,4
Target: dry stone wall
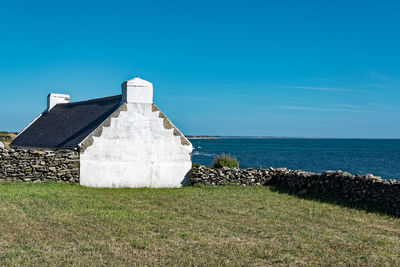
x,y
363,189
37,166
64,165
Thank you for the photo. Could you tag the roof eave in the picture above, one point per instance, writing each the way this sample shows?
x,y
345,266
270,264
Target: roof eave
x,y
88,141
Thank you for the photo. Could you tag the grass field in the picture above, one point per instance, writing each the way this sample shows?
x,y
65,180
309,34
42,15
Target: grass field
x,y
61,224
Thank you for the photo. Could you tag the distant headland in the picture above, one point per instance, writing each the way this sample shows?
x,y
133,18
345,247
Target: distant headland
x,y
202,137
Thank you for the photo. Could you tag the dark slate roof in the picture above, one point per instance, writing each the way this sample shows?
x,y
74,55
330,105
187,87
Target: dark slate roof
x,y
67,125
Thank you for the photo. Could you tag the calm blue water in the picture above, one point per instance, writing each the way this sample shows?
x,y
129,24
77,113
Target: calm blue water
x,y
379,157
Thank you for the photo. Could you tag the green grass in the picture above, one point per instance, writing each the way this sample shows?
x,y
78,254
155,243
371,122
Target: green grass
x,y
61,224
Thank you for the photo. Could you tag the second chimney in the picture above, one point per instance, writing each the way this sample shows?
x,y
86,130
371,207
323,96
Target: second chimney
x,y
54,99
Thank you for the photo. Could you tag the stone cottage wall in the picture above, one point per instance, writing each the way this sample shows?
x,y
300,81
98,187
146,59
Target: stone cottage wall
x,y
36,166
366,189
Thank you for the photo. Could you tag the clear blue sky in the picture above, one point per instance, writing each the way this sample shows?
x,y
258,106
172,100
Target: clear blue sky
x,y
266,68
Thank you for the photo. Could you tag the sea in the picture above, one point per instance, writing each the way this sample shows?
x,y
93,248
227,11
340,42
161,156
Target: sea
x,y
380,157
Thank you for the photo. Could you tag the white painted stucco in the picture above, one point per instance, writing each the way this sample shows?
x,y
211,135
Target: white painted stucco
x,y
136,150
137,90
54,99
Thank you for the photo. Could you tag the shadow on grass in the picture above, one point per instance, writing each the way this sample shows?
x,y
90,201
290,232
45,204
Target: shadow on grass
x,y
339,201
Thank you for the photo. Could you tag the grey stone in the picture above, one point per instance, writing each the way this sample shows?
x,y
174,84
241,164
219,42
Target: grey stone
x,y
30,165
353,188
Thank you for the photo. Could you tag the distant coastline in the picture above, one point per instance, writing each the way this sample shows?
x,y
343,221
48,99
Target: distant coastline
x,y
12,135
285,137
202,137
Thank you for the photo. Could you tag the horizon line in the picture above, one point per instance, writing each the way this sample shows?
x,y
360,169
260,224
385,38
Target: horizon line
x,y
285,137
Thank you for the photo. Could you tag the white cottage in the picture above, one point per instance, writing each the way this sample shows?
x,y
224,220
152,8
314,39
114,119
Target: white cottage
x,y
123,140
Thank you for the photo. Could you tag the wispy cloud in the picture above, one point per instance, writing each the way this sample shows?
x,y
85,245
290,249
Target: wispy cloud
x,y
318,88
382,80
317,109
382,86
345,105
379,76
305,108
190,98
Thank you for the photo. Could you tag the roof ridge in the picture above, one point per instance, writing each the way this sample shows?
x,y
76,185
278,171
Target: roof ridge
x,y
66,125
92,100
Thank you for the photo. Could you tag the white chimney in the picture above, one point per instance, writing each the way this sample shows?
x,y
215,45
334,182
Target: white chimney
x,y
54,99
137,91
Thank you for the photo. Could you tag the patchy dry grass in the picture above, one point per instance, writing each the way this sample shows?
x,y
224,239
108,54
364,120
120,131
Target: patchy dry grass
x,y
7,138
60,224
